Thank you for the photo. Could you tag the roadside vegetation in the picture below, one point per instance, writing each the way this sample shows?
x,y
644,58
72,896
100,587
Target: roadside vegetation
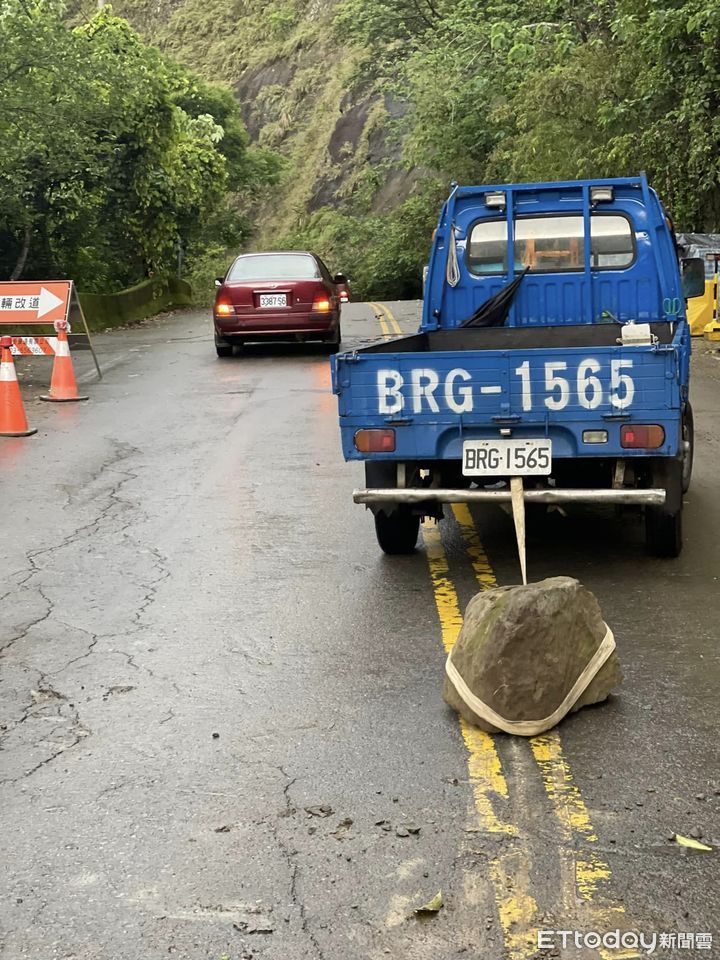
x,y
538,90
359,112
116,160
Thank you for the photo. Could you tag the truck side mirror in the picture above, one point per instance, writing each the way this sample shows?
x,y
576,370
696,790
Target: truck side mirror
x,y
219,281
693,277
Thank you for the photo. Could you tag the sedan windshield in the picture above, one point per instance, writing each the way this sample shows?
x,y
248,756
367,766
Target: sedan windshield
x,y
274,266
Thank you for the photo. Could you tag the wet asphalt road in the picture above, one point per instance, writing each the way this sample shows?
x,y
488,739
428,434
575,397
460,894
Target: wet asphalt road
x,y
200,640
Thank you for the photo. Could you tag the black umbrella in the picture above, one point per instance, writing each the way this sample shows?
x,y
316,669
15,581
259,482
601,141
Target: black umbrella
x,y
494,312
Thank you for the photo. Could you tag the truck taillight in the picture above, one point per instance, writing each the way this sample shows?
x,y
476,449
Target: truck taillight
x,y
321,304
644,436
223,308
375,441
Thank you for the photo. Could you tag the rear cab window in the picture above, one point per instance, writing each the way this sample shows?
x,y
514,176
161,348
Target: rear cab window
x,y
551,244
274,266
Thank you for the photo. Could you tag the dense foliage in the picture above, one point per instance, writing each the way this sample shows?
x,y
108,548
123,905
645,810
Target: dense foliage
x,y
543,89
116,154
114,159
530,90
383,254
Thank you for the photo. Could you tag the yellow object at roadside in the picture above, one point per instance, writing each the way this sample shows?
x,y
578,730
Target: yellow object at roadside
x,y
701,310
712,331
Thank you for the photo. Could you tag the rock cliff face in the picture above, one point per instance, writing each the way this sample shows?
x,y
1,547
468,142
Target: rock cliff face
x,y
301,93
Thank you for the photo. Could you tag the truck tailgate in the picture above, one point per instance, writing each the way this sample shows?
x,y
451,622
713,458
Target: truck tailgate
x,y
438,399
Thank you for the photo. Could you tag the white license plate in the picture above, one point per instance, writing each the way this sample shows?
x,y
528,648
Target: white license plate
x,y
514,458
273,299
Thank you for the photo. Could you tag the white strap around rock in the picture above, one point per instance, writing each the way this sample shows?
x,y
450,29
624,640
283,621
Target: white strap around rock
x,y
531,728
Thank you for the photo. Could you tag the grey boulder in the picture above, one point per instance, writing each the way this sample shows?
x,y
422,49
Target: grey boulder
x,y
522,648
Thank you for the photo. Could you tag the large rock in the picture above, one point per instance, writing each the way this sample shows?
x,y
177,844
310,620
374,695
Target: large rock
x,y
521,650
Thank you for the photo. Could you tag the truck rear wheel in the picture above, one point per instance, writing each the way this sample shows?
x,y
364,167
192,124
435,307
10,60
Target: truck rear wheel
x,y
663,533
333,344
663,525
688,439
397,532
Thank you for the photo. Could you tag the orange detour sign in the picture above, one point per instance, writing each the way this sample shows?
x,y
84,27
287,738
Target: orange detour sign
x,y
42,303
34,301
63,386
13,422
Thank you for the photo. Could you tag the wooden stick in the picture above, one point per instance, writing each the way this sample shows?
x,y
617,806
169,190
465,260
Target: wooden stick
x,y
518,508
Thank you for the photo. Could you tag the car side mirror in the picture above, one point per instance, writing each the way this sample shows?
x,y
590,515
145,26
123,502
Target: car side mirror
x,y
219,281
339,278
693,277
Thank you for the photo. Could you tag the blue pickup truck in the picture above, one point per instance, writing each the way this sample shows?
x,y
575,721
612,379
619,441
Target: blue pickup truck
x,y
554,346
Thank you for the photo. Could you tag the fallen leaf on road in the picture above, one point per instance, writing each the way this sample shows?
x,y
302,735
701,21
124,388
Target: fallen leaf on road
x,y
692,844
322,810
340,832
432,906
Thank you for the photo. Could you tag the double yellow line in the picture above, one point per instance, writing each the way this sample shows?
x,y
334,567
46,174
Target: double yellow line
x,y
385,317
585,903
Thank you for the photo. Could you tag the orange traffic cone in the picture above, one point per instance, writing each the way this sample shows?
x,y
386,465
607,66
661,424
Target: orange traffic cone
x,y
63,386
13,422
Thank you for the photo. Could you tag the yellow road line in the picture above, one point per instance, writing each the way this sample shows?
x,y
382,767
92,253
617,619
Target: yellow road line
x,y
474,548
583,872
380,317
483,763
588,872
392,322
510,870
446,599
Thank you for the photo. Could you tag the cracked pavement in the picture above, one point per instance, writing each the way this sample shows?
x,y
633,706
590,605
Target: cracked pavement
x,y
201,647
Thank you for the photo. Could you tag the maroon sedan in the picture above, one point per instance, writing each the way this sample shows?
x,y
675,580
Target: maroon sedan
x,y
277,296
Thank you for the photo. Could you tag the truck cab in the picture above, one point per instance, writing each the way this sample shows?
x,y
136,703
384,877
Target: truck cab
x,y
554,346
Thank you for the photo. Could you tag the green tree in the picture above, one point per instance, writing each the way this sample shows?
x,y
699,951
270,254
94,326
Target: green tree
x,y
546,89
117,157
48,144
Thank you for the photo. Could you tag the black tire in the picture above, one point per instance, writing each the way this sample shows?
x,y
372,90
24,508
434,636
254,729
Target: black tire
x,y
397,532
332,346
663,533
687,436
663,525
224,349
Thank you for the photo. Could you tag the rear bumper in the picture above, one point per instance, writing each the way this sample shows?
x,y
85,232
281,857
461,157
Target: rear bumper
x,y
276,326
418,495
436,443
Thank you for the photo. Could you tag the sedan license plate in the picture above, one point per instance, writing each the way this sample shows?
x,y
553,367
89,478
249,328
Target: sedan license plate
x,y
514,458
273,299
